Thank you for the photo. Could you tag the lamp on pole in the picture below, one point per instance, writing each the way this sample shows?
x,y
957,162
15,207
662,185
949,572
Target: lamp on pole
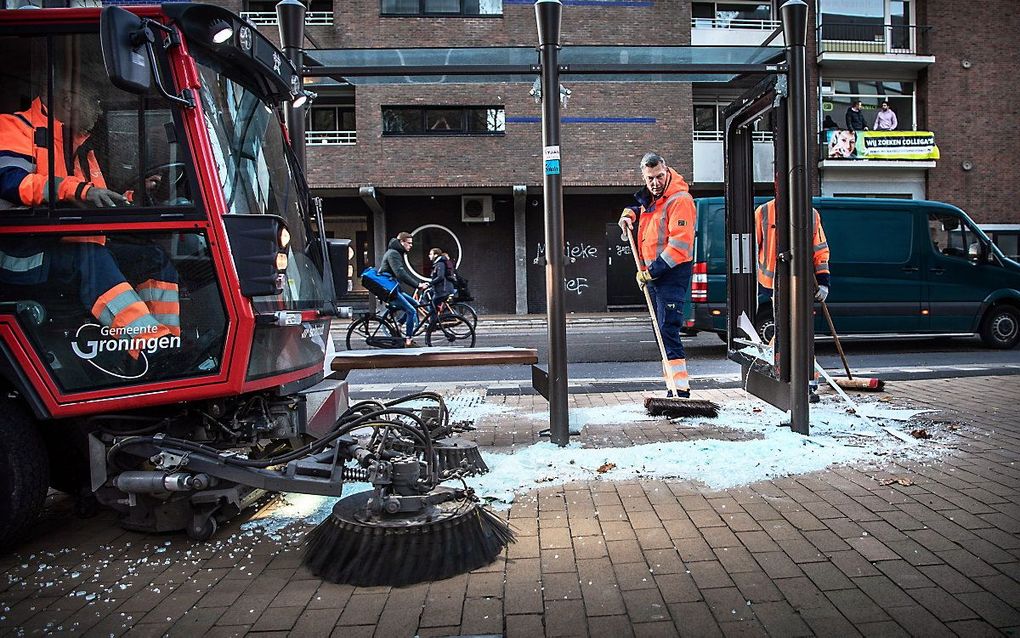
x,y
547,15
291,16
802,281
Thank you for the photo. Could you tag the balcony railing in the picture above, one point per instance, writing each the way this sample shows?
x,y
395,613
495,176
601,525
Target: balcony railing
x,y
735,23
331,138
717,136
874,38
268,18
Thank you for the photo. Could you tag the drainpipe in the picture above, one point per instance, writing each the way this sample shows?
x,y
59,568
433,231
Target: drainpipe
x,y
521,248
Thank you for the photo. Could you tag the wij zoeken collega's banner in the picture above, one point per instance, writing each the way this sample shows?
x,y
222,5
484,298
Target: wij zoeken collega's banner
x,y
881,145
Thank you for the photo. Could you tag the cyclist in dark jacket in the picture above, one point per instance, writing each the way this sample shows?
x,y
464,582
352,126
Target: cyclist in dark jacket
x,y
393,263
442,287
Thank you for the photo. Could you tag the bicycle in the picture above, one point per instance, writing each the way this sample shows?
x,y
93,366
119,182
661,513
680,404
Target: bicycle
x,y
384,330
456,307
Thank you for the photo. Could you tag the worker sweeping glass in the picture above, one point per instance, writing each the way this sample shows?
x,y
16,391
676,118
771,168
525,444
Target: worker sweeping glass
x,y
663,221
765,237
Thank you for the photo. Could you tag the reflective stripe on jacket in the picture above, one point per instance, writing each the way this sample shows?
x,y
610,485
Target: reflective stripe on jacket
x,y
666,226
765,217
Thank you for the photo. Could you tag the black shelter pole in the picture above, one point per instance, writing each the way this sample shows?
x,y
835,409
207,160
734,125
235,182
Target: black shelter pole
x,y
547,14
802,335
291,16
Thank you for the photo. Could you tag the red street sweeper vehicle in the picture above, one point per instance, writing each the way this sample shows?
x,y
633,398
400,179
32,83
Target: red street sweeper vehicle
x,y
166,292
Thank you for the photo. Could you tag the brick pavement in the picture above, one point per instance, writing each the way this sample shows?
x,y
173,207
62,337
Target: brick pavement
x,y
884,547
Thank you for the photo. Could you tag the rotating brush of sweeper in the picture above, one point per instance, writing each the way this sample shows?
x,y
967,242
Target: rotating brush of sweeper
x,y
358,545
407,528
460,455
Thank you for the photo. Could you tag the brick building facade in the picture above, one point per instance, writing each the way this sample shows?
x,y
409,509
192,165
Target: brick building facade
x,y
940,75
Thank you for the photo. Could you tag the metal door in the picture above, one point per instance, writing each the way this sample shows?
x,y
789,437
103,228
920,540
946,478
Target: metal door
x,y
621,289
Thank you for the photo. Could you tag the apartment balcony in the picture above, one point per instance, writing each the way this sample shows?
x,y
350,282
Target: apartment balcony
x,y
708,157
268,18
733,32
331,138
874,48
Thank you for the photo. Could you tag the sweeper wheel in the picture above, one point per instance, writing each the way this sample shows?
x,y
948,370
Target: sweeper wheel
x,y
352,547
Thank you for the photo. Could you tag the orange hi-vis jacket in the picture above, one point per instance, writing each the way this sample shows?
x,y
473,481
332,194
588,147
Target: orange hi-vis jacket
x,y
765,218
25,164
666,227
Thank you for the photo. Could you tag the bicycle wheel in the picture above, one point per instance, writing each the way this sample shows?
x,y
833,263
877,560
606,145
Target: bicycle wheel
x,y
467,311
450,330
371,332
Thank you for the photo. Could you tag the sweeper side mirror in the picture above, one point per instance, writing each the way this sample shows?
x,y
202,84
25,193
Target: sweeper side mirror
x,y
340,255
258,244
124,40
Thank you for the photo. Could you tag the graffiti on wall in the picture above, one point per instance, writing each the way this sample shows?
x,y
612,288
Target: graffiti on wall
x,y
571,251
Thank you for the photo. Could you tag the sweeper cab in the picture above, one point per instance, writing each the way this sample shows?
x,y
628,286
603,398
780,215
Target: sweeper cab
x,y
166,287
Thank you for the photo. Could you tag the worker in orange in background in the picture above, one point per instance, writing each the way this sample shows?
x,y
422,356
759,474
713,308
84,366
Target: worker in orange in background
x,y
765,234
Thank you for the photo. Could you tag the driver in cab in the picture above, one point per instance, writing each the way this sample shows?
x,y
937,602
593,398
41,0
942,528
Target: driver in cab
x,y
151,307
25,140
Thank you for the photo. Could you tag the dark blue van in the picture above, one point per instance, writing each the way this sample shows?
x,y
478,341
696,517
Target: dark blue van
x,y
899,267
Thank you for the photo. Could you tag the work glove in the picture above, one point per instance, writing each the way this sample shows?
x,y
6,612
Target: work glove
x,y
643,277
822,293
104,198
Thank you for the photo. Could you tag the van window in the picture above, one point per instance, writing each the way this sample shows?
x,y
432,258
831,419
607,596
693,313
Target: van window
x,y
1008,243
951,236
869,236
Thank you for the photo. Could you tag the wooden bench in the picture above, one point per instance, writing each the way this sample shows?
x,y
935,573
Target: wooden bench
x,y
348,360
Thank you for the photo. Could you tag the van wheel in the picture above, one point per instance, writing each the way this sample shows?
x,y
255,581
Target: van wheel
x,y
24,472
1001,327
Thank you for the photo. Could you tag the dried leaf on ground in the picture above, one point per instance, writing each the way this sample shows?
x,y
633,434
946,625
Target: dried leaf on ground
x,y
605,467
920,433
897,481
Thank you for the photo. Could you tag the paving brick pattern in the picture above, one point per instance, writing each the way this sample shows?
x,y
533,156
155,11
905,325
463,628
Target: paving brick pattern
x,y
842,552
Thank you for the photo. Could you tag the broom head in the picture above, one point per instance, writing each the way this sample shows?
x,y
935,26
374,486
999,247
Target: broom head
x,y
863,384
674,408
454,537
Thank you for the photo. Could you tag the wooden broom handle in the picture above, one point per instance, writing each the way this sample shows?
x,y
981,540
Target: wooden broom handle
x,y
667,371
835,337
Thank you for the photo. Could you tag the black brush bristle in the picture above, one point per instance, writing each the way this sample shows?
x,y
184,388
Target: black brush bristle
x,y
680,408
344,550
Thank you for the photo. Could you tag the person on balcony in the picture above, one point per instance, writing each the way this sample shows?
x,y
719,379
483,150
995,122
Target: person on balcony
x,y
885,120
854,117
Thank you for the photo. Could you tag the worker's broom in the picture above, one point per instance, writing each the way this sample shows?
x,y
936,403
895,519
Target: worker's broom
x,y
673,407
865,384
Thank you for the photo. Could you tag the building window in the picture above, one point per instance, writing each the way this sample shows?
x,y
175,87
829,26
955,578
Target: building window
x,y
836,96
443,120
331,123
731,15
263,12
441,7
710,124
877,26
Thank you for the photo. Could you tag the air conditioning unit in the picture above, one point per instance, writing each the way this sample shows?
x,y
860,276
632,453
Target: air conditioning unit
x,y
476,208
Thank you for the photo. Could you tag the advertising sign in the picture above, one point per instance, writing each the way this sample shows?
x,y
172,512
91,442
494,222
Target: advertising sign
x,y
881,145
